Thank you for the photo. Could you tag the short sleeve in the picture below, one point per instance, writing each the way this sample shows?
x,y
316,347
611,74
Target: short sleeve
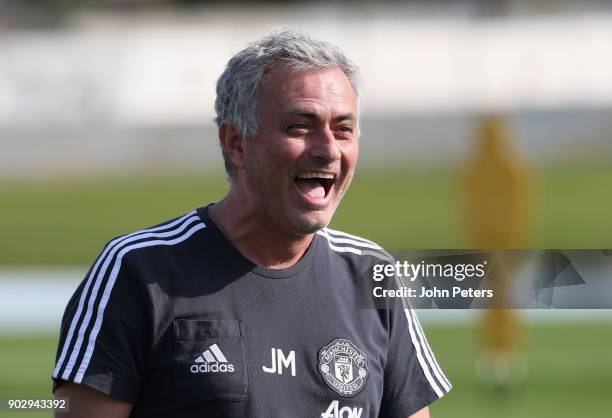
x,y
413,378
105,334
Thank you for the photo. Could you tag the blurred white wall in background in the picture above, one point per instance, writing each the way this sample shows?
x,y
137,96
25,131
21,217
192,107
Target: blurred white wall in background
x,y
155,72
111,90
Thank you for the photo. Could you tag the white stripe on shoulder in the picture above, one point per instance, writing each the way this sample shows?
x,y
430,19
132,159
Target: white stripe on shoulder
x,y
105,258
343,249
430,355
109,287
420,358
354,242
380,254
424,355
342,234
108,248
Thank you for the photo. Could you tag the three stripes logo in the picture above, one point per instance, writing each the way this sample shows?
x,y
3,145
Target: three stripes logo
x,y
211,360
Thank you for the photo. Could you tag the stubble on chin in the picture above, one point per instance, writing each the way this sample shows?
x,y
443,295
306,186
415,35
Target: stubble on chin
x,y
310,227
310,224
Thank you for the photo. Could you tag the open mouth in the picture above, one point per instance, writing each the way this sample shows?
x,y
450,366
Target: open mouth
x,y
315,184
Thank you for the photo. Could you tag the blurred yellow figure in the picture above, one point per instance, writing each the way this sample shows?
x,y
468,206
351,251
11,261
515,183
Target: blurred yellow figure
x,y
497,209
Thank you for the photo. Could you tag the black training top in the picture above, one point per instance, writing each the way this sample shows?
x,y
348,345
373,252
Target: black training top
x,y
174,320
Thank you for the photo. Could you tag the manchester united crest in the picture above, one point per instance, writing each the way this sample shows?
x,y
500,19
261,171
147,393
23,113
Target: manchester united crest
x,y
344,367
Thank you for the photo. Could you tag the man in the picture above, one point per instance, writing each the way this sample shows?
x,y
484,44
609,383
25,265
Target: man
x,y
251,307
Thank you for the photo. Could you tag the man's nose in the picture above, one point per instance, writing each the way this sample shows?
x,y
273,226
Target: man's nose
x,y
324,145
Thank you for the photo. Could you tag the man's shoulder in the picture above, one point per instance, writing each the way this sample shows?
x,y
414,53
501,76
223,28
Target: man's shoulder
x,y
352,246
169,233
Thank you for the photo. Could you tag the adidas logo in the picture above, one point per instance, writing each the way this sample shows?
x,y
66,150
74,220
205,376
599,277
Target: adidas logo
x,y
211,361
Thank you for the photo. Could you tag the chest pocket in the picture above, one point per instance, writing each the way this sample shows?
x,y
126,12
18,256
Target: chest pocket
x,y
210,360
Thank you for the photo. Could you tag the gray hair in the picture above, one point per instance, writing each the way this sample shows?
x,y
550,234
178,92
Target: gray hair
x,y
238,87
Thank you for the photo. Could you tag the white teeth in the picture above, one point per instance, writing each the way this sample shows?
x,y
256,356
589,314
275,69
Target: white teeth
x,y
316,175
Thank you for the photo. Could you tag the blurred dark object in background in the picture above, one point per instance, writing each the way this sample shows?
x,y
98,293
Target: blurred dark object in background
x,y
47,14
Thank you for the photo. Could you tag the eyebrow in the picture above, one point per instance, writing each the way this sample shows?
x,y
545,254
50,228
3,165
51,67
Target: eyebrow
x,y
313,116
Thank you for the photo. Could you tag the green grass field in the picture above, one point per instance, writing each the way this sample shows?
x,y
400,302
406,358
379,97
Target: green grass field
x,y
67,221
570,372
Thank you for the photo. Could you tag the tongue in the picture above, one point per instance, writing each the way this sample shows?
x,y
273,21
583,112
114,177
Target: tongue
x,y
312,188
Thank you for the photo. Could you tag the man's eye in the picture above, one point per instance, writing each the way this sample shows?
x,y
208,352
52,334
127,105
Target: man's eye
x,y
344,132
297,127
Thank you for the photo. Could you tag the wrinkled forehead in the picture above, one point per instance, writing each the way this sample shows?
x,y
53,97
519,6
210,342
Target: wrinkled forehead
x,y
285,87
295,69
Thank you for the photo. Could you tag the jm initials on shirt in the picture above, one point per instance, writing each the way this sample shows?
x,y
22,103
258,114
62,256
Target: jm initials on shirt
x,y
279,360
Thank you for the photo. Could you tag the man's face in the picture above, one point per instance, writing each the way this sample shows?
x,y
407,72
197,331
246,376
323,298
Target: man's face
x,y
298,167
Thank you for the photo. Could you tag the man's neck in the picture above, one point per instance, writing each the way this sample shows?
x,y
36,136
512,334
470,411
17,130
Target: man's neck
x,y
259,243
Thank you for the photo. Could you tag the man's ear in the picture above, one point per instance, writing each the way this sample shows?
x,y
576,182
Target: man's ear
x,y
232,144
